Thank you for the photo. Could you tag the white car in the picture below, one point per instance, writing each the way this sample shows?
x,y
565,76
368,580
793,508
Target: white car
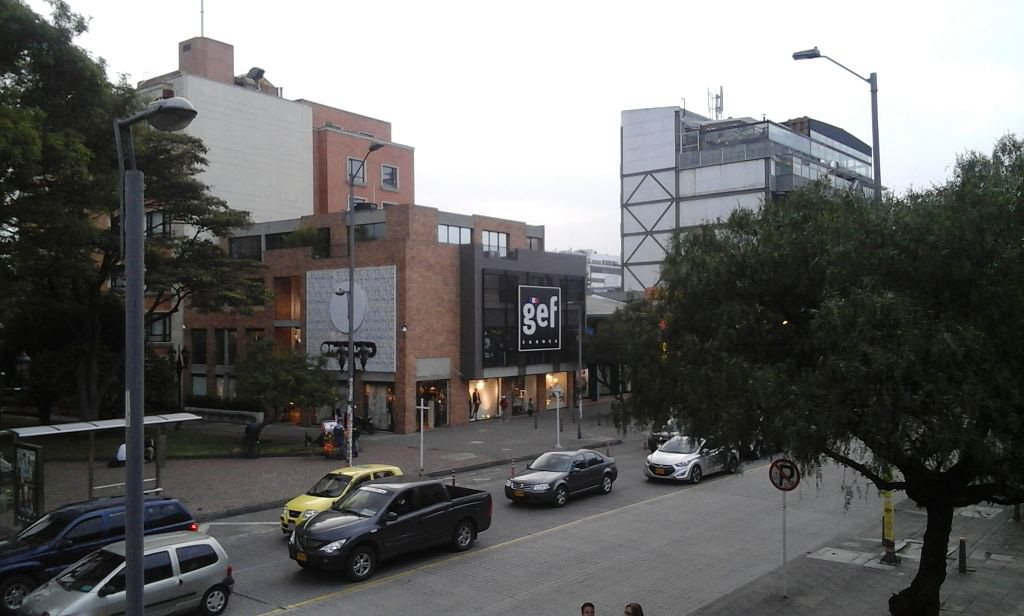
x,y
183,572
682,458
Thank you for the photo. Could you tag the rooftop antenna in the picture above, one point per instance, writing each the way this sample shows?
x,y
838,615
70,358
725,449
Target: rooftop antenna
x,y
202,18
716,103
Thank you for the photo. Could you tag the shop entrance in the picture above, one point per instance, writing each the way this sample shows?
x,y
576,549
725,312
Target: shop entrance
x,y
434,394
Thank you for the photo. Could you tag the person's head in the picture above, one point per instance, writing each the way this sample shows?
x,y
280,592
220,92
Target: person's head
x,y
633,609
587,609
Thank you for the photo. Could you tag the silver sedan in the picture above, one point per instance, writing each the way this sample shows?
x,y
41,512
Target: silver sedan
x,y
683,458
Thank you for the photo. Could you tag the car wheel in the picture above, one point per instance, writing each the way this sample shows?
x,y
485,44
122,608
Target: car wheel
x,y
696,475
561,496
464,536
606,484
732,465
360,564
13,591
215,601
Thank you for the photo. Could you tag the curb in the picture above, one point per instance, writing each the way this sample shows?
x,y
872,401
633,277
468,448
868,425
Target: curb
x,y
227,513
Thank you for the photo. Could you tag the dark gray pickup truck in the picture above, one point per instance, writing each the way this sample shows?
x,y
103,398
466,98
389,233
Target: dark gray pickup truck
x,y
380,521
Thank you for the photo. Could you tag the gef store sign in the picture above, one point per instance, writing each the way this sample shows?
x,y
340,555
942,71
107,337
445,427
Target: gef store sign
x,y
540,318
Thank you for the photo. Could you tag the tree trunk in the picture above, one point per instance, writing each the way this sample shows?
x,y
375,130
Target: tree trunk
x,y
921,598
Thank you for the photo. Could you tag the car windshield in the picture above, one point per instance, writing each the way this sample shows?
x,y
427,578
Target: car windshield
x,y
558,462
331,485
680,444
364,502
46,528
87,573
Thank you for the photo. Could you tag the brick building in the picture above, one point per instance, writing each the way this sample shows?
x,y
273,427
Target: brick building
x,y
436,295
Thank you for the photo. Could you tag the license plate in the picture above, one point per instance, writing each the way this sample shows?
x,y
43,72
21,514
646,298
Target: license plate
x,y
300,556
659,471
519,493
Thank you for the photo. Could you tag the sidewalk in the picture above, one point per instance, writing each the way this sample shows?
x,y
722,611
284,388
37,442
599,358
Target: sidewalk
x,y
844,577
218,487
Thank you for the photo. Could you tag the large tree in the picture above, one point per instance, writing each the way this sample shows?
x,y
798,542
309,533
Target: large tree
x,y
878,335
279,378
60,262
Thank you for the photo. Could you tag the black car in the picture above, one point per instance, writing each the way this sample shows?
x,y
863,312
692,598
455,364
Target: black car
x,y
556,475
64,535
659,435
384,519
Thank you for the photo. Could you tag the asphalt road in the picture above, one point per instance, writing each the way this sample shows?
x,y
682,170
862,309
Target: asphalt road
x,y
670,547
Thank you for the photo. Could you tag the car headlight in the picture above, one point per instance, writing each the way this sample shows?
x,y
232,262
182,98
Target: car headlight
x,y
508,483
648,459
284,511
291,537
333,546
541,487
682,464
309,513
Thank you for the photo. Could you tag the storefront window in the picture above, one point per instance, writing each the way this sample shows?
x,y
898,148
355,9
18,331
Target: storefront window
x,y
434,396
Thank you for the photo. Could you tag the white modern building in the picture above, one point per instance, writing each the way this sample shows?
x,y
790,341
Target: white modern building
x,y
680,169
260,145
604,271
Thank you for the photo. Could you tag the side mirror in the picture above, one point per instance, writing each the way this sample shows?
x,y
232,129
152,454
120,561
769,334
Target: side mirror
x,y
390,516
574,470
106,590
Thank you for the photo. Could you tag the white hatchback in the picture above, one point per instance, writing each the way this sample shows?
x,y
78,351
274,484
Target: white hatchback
x,y
685,459
182,572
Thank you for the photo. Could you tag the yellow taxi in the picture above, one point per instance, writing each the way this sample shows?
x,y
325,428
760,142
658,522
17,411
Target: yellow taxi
x,y
331,488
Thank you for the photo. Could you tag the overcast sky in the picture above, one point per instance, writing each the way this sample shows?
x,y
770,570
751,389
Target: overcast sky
x,y
513,107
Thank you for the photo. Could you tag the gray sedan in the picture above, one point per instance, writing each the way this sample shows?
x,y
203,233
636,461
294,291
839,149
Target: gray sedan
x,y
685,459
556,475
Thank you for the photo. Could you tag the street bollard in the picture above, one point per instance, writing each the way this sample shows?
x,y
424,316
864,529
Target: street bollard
x,y
962,560
535,420
512,471
608,448
453,477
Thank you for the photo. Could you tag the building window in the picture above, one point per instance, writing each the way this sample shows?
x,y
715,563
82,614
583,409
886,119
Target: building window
x,y
277,241
496,242
322,243
198,384
198,346
245,247
371,231
157,225
356,166
451,234
159,328
389,177
255,334
535,243
227,348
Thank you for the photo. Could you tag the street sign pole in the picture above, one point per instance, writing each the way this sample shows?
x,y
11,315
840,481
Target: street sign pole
x,y
785,476
422,410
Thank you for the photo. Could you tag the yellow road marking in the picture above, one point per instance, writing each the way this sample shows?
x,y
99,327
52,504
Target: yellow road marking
x,y
455,557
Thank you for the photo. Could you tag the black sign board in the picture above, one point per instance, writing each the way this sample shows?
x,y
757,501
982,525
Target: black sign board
x,y
540,318
28,482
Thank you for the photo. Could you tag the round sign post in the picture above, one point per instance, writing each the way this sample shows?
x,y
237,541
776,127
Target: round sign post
x,y
785,476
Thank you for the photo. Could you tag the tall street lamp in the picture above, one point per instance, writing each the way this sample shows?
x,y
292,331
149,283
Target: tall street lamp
x,y
352,290
168,114
180,359
811,54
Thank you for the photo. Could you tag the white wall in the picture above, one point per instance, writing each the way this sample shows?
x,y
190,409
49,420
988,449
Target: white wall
x,y
260,147
648,139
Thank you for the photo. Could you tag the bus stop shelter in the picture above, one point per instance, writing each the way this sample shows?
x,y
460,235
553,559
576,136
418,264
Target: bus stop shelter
x,y
22,472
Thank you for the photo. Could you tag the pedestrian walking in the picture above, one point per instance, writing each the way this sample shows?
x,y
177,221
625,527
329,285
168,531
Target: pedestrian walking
x,y
587,609
529,408
633,609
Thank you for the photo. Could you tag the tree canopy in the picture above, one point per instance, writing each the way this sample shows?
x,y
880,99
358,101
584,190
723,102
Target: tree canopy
x,y
60,261
873,334
278,378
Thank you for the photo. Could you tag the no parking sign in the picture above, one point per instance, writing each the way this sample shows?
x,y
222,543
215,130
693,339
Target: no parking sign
x,y
784,475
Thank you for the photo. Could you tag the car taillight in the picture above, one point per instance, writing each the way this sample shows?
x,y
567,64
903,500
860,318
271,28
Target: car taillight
x,y
229,571
193,527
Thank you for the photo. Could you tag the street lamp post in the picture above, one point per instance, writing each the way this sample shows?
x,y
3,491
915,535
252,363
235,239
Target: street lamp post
x,y
351,291
169,114
582,305
181,360
811,54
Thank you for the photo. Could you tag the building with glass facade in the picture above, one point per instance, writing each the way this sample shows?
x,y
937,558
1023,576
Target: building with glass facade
x,y
680,169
